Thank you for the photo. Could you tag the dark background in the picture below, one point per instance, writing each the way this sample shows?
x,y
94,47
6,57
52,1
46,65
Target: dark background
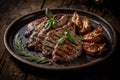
x,y
11,69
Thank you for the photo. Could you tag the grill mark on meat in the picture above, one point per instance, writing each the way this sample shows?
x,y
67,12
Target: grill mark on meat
x,y
47,52
51,38
67,42
67,53
64,50
49,47
68,48
51,42
59,53
56,57
70,52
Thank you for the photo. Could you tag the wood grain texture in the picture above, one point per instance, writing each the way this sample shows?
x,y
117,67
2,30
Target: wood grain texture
x,y
11,69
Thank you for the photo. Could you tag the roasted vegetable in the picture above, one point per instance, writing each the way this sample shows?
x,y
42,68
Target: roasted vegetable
x,y
93,49
86,26
77,20
95,35
83,26
52,23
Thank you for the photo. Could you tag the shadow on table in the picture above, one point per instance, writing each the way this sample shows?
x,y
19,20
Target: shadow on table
x,y
105,70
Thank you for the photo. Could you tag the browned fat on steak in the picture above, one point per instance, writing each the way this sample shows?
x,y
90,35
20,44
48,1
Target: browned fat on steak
x,y
67,51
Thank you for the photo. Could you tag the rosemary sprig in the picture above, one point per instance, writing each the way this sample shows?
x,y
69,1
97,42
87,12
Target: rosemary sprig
x,y
29,56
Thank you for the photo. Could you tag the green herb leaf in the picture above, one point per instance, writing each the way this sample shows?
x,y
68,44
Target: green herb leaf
x,y
61,40
48,25
70,36
29,56
52,23
48,13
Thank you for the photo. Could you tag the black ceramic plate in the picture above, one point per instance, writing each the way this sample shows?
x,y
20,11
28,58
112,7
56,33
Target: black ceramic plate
x,y
19,26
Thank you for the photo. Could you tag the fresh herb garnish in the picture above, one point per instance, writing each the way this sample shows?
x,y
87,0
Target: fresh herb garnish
x,y
48,13
52,23
70,36
48,25
61,40
29,56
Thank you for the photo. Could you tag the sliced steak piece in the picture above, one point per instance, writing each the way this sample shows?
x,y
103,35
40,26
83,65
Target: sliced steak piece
x,y
37,40
53,36
95,35
36,24
36,37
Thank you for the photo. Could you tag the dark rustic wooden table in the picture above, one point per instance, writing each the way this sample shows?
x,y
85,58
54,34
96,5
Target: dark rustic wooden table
x,y
11,69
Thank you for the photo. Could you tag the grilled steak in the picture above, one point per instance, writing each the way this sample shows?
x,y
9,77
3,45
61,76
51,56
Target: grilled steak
x,y
36,24
36,32
51,40
53,36
65,52
36,37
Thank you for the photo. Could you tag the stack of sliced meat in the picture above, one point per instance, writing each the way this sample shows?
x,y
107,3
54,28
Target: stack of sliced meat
x,y
48,41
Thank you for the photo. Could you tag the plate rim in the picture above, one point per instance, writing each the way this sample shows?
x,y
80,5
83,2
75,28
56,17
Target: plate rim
x,y
60,68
